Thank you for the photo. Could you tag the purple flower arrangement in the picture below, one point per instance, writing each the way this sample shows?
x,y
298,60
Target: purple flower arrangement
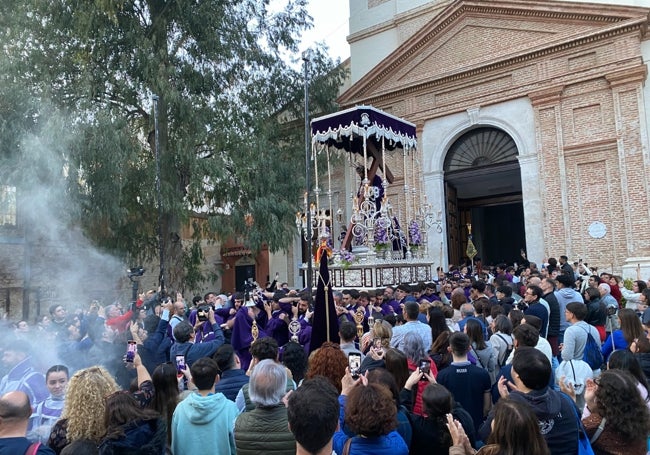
x,y
346,257
415,235
381,236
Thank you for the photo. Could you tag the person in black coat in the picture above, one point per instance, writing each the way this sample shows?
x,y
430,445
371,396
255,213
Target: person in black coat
x,y
131,430
430,433
231,376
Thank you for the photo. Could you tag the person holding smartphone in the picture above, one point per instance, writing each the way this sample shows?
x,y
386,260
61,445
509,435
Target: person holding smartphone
x,y
418,360
185,346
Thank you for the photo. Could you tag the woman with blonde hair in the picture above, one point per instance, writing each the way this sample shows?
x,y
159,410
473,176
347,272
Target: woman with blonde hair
x,y
380,329
83,413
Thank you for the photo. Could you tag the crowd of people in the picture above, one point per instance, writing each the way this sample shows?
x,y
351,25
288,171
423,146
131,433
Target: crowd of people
x,y
499,360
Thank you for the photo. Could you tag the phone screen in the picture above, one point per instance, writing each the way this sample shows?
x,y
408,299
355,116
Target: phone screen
x,y
180,363
131,349
354,363
376,343
425,366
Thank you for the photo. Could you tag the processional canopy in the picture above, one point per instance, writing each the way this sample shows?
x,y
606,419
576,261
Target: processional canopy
x,y
382,235
347,130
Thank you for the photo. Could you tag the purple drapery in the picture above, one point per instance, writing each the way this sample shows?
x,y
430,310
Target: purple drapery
x,y
346,129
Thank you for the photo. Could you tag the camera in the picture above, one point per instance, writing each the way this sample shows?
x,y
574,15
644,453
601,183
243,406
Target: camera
x,y
202,312
135,271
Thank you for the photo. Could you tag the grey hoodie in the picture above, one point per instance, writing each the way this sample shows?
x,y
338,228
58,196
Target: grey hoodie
x,y
564,296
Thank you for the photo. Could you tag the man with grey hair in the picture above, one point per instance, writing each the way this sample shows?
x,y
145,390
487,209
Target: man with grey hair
x,y
266,428
606,296
467,312
611,304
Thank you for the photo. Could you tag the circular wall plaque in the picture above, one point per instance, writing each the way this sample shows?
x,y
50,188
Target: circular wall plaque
x,y
597,230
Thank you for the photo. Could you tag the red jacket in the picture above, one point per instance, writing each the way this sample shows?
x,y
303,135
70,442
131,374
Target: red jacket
x,y
417,400
120,323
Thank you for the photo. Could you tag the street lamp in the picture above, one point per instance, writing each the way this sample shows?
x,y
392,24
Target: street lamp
x,y
310,272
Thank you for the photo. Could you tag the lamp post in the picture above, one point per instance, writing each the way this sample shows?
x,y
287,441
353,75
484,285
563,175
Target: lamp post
x,y
161,247
310,271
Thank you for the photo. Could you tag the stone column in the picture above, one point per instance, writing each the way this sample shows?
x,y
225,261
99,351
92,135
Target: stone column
x,y
533,207
551,175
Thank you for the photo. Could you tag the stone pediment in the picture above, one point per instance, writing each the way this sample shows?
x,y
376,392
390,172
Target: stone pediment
x,y
472,34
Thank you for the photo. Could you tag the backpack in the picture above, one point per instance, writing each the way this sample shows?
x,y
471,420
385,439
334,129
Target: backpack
x,y
509,348
584,444
592,354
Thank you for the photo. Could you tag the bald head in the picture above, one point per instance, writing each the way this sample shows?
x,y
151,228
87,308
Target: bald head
x,y
179,308
535,281
15,411
15,405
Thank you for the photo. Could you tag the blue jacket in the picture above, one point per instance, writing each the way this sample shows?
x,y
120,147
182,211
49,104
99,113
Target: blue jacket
x,y
203,425
619,343
194,351
155,349
230,383
390,444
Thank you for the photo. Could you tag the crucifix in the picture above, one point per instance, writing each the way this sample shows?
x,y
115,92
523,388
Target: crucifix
x,y
372,171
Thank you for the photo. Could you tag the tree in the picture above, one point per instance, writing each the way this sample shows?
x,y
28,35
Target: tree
x,y
217,69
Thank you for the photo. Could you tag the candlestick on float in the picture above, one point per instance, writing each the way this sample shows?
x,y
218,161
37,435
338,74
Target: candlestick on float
x,y
406,203
329,192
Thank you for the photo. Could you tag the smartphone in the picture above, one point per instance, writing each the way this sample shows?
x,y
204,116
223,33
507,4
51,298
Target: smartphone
x,y
376,343
354,363
131,349
180,364
425,366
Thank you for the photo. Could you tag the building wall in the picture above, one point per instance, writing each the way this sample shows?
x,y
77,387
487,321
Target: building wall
x,y
577,110
378,27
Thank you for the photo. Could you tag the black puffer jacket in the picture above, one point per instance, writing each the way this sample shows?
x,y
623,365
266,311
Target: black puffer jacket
x,y
230,383
142,437
644,361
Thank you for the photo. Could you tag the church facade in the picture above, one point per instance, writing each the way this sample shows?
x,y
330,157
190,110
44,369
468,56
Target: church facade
x,y
532,120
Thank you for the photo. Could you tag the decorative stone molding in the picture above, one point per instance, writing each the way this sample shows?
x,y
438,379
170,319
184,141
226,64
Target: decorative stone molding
x,y
636,75
546,97
608,22
473,114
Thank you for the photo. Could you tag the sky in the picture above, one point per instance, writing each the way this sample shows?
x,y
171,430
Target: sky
x,y
330,25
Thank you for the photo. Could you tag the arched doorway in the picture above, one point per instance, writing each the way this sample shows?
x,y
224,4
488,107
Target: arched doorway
x,y
483,187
